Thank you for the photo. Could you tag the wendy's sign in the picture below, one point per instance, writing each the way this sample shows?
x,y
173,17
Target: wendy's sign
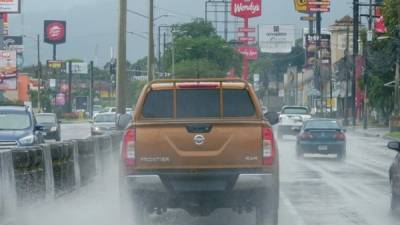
x,y
246,8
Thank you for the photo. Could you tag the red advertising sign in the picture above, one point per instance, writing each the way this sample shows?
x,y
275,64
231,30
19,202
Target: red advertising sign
x,y
246,8
60,99
54,31
380,26
319,6
249,52
247,39
247,29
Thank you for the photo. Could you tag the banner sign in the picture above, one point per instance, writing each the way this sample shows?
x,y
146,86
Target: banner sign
x,y
312,49
249,52
276,38
8,70
55,31
246,8
10,6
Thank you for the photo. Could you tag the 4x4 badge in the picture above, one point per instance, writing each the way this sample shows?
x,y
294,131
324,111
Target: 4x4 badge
x,y
199,139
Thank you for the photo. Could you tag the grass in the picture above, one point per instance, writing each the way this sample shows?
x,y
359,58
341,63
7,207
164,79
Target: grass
x,y
393,135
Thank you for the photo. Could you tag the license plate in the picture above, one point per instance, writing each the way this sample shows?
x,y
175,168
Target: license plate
x,y
322,148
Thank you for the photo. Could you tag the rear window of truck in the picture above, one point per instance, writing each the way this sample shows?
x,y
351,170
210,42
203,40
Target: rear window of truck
x,y
198,103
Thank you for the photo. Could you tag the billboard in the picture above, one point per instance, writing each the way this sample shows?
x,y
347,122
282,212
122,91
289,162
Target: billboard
x,y
10,6
55,31
300,6
276,38
78,68
14,43
312,49
56,64
246,8
8,70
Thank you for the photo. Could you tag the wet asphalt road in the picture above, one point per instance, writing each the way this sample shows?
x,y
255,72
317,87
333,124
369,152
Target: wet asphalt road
x,y
314,191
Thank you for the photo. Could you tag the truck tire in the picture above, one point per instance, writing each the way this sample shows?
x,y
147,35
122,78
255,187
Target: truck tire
x,y
395,203
267,209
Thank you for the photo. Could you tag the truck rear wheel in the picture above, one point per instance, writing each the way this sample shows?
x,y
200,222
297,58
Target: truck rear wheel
x,y
267,210
395,203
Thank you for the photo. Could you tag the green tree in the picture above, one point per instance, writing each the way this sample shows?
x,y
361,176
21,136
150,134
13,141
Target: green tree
x,y
199,51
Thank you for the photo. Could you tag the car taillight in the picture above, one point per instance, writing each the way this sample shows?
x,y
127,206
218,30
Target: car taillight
x,y
306,136
128,147
269,148
339,136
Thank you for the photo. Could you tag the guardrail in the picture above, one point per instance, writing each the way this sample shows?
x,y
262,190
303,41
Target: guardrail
x,y
33,174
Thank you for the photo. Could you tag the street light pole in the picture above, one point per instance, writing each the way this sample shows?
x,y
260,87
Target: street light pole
x,y
121,61
150,58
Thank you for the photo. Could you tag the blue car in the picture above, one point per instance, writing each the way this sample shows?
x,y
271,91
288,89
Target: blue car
x,y
18,127
321,136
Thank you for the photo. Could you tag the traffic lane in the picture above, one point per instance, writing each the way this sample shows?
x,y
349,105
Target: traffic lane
x,y
322,190
75,130
317,190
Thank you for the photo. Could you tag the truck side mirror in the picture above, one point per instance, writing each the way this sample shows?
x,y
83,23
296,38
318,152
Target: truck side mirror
x,y
272,117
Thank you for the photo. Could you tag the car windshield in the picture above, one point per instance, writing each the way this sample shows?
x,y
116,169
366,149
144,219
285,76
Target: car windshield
x,y
46,119
321,124
105,118
295,110
14,120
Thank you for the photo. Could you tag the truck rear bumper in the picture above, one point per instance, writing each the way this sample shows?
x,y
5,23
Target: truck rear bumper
x,y
241,182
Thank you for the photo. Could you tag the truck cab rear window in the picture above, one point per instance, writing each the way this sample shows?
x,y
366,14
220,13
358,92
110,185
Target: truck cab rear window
x,y
198,103
158,104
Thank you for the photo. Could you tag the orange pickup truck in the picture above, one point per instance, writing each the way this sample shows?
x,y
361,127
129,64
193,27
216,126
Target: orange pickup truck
x,y
200,145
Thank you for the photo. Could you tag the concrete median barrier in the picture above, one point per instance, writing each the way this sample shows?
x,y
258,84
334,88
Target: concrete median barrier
x,y
8,196
33,174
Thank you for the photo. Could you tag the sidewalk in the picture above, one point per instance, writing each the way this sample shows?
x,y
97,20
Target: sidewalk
x,y
371,132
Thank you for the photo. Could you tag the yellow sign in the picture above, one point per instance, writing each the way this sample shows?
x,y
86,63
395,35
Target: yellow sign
x,y
301,6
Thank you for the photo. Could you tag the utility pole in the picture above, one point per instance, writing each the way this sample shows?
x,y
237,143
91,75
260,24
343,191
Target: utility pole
x,y
356,15
1,32
91,96
121,61
39,71
150,58
346,99
320,84
397,76
369,39
70,86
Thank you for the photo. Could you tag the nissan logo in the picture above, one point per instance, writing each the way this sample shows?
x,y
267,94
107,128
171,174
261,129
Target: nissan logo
x,y
199,139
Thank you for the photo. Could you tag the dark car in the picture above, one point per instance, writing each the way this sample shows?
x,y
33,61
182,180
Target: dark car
x,y
18,127
321,136
394,175
51,125
103,123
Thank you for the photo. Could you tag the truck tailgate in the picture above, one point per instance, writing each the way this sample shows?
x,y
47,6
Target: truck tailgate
x,y
198,145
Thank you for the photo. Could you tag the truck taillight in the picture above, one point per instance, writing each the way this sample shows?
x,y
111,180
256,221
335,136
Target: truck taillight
x,y
128,147
269,148
306,136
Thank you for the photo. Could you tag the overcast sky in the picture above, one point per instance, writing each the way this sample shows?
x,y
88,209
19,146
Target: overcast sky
x,y
92,24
